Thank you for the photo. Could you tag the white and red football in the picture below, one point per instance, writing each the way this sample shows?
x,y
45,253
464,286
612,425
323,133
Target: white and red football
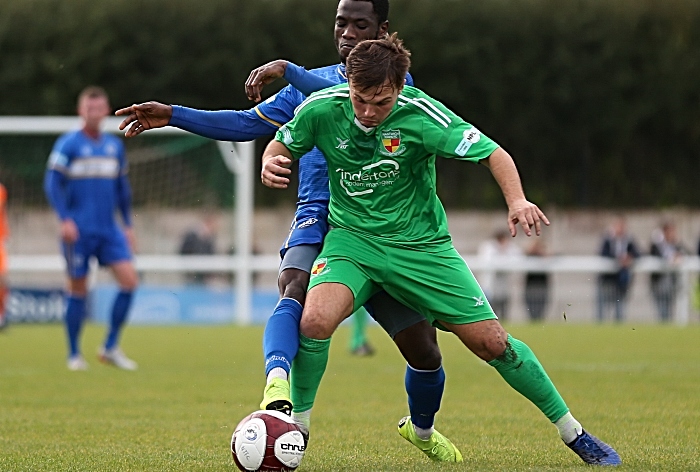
x,y
267,440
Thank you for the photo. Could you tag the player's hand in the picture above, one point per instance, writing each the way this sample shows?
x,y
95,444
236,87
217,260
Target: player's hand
x,y
527,215
69,231
143,117
273,170
262,76
131,239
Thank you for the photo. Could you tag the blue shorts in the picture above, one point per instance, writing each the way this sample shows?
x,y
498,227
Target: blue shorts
x,y
108,248
309,227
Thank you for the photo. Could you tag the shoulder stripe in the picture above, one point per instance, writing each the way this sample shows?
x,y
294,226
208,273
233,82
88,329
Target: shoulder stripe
x,y
428,107
320,96
269,120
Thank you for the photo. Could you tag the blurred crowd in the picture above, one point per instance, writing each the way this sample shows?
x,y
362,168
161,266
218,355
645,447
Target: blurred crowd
x,y
612,288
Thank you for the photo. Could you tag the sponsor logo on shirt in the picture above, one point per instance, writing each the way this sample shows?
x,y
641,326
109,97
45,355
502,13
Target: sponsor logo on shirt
x,y
286,136
391,143
369,177
469,137
307,223
320,267
342,143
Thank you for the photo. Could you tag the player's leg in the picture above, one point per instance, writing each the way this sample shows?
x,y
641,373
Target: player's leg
x,y
3,285
425,377
455,300
281,335
359,345
114,252
77,256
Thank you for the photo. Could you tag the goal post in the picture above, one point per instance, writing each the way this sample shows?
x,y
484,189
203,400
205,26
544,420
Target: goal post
x,y
238,159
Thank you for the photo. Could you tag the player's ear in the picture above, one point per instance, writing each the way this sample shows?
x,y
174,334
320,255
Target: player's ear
x,y
383,30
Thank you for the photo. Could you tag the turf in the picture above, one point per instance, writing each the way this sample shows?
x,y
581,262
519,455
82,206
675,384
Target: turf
x,y
634,387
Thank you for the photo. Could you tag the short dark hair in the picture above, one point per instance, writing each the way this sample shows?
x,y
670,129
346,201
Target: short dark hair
x,y
381,9
373,61
93,91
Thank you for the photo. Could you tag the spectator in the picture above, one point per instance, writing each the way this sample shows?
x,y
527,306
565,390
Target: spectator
x,y
613,287
664,284
4,233
536,284
200,240
496,284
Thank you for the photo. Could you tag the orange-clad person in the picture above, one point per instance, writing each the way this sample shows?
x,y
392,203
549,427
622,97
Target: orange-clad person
x,y
4,233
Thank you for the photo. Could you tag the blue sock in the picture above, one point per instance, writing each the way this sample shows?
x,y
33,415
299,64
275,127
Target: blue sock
x,y
281,336
424,388
120,310
75,314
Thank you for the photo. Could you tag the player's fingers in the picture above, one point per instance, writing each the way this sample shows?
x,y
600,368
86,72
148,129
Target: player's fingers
x,y
542,216
129,119
526,224
123,111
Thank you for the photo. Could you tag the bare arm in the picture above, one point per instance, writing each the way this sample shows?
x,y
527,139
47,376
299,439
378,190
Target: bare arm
x,y
275,165
520,210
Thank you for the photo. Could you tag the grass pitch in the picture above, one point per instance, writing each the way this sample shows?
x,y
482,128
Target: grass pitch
x,y
636,387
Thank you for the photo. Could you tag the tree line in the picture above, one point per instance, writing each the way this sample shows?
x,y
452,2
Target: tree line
x,y
597,101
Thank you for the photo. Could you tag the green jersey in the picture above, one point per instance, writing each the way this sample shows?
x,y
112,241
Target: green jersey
x,y
382,179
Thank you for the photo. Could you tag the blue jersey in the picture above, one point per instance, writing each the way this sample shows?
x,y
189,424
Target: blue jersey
x,y
86,181
263,120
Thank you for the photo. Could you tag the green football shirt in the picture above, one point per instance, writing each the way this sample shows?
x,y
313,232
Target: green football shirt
x,y
382,179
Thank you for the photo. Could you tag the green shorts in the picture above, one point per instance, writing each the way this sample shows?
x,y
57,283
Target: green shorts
x,y
439,285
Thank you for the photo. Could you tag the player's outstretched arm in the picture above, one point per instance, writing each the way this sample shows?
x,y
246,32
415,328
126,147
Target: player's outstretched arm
x,y
143,117
275,165
520,211
299,78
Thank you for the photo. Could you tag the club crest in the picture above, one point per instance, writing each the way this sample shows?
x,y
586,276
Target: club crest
x,y
391,143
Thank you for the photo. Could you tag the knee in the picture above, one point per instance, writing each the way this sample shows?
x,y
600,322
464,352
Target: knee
x,y
418,345
493,346
314,325
130,283
293,284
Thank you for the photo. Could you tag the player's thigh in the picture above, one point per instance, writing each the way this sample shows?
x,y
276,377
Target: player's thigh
x,y
308,228
125,274
439,285
351,261
78,254
300,257
391,315
114,252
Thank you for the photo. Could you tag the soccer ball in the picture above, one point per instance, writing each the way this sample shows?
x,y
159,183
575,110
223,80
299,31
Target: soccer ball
x,y
267,440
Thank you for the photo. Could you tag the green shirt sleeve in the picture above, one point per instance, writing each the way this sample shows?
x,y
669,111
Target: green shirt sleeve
x,y
299,134
452,137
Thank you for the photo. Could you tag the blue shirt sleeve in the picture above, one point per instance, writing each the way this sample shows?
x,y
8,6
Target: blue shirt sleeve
x,y
304,81
409,79
55,177
124,188
222,125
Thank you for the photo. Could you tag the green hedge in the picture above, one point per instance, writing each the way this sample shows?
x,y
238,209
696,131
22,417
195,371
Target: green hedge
x,y
596,99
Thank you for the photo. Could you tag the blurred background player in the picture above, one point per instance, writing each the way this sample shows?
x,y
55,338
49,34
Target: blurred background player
x,y
85,182
355,20
4,234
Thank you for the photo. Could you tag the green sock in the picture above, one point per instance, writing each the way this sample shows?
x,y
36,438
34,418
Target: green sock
x,y
307,370
359,326
519,366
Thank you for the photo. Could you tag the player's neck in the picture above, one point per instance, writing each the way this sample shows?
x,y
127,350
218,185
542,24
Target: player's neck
x,y
92,132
